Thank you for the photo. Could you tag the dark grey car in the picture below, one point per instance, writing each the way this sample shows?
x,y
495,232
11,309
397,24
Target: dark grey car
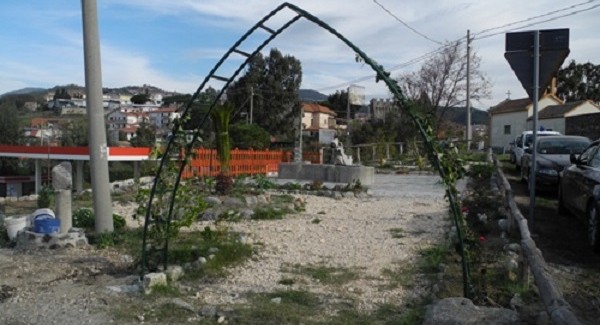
x,y
579,191
552,156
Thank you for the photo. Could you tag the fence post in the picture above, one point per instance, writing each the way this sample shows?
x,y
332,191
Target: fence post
x,y
401,148
387,151
358,154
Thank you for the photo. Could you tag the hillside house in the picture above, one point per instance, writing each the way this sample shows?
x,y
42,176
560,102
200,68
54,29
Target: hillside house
x,y
162,117
318,121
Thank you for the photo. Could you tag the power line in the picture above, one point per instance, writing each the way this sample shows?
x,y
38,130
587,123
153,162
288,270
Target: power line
x,y
535,17
540,22
396,67
460,40
405,24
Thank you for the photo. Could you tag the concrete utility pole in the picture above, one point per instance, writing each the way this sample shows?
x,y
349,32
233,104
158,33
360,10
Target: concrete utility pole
x,y
348,120
469,131
96,131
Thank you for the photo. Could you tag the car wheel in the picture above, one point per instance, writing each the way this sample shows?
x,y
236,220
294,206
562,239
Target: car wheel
x,y
593,227
562,210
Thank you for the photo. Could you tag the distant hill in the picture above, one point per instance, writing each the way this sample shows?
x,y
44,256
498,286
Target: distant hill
x,y
309,95
24,91
459,115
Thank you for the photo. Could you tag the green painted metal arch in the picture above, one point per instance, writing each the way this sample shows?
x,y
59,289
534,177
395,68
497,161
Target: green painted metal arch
x,y
425,132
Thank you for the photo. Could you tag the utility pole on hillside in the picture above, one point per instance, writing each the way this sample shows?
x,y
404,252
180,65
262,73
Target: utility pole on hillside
x,y
251,102
469,131
96,124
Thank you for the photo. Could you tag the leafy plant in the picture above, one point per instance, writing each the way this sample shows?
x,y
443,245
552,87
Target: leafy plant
x,y
263,182
221,117
45,197
432,258
483,171
269,213
85,218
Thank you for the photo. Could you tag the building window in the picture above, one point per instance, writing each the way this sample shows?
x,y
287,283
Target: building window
x,y
507,129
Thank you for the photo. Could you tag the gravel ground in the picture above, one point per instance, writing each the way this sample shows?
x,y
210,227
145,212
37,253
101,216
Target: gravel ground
x,y
72,286
352,234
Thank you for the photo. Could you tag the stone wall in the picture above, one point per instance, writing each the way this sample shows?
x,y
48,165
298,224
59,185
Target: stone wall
x,y
587,125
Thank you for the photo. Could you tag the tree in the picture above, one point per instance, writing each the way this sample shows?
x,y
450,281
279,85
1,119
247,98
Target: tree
x,y
441,81
75,133
140,99
579,82
275,81
338,102
199,109
9,123
145,136
177,99
249,136
221,116
61,93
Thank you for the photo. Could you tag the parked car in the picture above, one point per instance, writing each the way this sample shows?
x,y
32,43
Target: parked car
x,y
552,156
524,140
579,191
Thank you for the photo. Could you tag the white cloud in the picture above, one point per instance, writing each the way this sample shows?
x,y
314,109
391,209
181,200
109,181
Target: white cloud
x,y
326,61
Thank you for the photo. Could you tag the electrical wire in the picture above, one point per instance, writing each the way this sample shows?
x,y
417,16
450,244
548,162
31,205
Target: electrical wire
x,y
539,22
398,66
460,40
534,17
405,24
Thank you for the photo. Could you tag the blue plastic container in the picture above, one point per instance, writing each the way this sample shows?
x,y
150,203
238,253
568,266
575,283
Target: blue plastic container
x,y
46,224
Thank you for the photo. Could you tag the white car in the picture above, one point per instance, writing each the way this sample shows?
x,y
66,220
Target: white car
x,y
524,141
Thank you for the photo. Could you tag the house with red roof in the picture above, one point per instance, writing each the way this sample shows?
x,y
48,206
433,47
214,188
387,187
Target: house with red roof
x,y
318,121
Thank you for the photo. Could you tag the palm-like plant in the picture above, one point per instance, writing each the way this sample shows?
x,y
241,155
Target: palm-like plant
x,y
221,116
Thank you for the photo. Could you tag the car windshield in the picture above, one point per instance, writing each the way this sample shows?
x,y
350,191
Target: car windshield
x,y
529,138
562,147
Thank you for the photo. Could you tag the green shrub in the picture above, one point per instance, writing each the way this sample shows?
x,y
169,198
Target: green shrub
x,y
482,171
84,218
45,197
268,213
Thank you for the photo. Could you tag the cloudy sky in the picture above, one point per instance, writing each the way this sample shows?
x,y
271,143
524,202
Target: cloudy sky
x,y
174,44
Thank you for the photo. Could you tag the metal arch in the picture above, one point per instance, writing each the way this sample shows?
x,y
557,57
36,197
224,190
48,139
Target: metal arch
x,y
381,75
177,127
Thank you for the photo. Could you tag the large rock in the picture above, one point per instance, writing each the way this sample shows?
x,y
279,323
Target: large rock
x,y
62,176
152,280
462,311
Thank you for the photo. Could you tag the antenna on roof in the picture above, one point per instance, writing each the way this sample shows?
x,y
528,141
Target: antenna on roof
x,y
508,95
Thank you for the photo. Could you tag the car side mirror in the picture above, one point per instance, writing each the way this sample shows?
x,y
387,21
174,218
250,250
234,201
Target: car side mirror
x,y
573,158
527,150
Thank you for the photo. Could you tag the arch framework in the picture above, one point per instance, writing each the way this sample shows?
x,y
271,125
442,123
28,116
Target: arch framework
x,y
173,148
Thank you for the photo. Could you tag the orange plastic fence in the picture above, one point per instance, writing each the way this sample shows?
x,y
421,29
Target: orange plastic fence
x,y
243,162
